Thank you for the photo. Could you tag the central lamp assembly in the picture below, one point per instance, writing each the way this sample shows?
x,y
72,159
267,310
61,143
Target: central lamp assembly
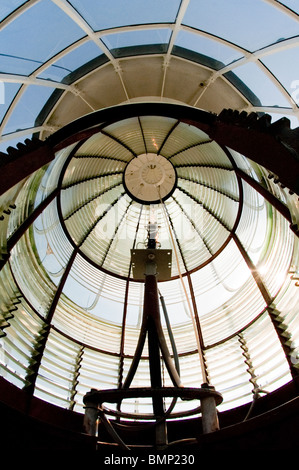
x,y
151,179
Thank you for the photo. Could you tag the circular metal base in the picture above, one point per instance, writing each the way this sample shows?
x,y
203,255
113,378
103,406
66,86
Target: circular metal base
x,y
97,397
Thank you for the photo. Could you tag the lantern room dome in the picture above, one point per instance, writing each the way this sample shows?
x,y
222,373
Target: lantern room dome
x,y
132,103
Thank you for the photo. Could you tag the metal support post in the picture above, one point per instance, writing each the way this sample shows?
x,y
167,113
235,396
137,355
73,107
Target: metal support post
x,y
91,416
209,414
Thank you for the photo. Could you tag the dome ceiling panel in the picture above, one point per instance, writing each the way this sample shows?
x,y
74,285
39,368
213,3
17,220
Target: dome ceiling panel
x,y
101,88
220,94
180,71
67,108
142,76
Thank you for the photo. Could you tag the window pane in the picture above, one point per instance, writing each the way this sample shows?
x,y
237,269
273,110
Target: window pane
x,y
252,24
28,108
103,14
291,4
261,85
29,40
7,94
207,47
8,6
13,142
294,121
285,66
12,63
137,38
71,61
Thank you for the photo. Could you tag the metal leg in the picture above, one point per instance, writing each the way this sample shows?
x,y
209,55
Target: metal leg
x,y
161,434
209,414
90,419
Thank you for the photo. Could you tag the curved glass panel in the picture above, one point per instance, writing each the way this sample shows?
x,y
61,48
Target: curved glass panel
x,y
136,12
9,91
280,64
291,4
136,38
31,102
261,85
237,20
20,326
28,41
219,54
9,6
227,242
70,62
